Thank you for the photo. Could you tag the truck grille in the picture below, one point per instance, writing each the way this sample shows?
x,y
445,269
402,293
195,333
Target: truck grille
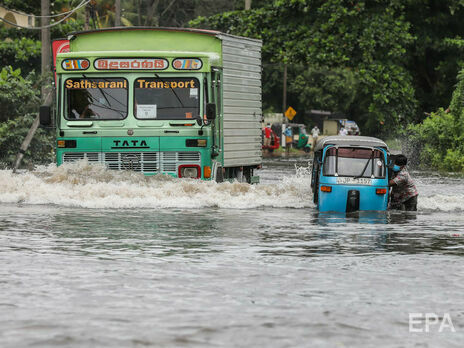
x,y
170,160
76,156
145,162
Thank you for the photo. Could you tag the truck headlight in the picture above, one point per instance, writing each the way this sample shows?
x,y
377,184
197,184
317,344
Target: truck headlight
x,y
189,171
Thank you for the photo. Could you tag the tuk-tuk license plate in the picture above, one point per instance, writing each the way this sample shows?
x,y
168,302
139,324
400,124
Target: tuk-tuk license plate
x,y
354,181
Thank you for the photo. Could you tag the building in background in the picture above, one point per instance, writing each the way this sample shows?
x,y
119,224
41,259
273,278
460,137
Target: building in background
x,y
16,17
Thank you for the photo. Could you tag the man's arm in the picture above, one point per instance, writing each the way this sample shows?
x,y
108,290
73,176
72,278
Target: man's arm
x,y
398,180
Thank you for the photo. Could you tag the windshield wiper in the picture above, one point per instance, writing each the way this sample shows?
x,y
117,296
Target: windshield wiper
x,y
109,95
105,94
365,167
172,89
101,91
106,107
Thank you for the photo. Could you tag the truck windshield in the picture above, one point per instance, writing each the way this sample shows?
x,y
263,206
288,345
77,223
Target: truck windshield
x,y
166,98
354,162
96,98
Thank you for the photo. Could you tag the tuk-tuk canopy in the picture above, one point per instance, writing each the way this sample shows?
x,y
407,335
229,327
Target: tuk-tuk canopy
x,y
353,140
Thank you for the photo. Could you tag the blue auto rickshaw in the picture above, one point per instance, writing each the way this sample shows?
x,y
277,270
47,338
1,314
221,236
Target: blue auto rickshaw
x,y
350,173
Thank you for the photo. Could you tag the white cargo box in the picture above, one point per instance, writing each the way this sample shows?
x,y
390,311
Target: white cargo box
x,y
241,83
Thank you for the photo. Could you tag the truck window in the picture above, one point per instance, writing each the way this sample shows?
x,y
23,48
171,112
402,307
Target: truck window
x,y
167,98
96,98
352,161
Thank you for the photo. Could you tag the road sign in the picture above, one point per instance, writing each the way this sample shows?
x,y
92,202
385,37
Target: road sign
x,y
290,113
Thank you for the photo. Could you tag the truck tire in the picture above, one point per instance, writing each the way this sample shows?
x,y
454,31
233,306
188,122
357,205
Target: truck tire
x,y
247,173
219,175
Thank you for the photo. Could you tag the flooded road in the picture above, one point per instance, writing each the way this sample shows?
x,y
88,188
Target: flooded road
x,y
96,258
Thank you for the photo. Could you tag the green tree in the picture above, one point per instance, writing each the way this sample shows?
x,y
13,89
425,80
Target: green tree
x,y
18,106
433,58
440,137
365,39
18,96
12,134
326,89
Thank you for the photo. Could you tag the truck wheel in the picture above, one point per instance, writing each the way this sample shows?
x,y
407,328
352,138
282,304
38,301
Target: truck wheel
x,y
247,174
219,175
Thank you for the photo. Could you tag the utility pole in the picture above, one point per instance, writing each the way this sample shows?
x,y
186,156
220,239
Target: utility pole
x,y
46,49
284,96
117,13
139,13
87,17
247,4
284,106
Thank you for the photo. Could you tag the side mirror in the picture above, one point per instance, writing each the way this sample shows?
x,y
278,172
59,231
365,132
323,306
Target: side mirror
x,y
45,115
210,111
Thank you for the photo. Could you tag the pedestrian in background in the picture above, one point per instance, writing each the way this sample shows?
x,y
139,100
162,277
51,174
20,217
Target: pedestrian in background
x,y
315,133
267,136
288,136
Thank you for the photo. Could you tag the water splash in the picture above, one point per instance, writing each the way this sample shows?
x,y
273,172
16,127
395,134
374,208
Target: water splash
x,y
441,202
83,185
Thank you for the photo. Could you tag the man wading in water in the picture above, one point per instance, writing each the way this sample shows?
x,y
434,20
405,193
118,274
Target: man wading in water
x,y
404,192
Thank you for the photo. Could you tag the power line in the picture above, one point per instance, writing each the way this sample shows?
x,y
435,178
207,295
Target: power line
x,y
49,16
83,3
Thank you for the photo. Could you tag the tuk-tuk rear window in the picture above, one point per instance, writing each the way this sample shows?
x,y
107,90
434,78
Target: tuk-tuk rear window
x,y
354,162
350,152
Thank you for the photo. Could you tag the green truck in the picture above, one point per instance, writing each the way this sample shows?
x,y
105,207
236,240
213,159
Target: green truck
x,y
182,102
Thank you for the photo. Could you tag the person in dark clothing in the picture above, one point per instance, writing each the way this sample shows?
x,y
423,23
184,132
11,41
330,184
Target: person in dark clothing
x,y
404,192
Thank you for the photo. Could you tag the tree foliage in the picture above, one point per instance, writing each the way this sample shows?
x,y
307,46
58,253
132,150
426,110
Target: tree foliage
x,y
327,89
434,58
19,99
361,43
18,96
24,52
12,134
440,137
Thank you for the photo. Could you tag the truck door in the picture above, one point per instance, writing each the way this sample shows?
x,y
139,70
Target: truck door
x,y
216,77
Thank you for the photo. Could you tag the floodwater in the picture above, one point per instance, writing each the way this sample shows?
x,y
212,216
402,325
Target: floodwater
x,y
93,258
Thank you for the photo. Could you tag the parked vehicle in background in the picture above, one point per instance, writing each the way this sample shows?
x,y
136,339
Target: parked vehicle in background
x,y
352,127
299,136
333,126
274,143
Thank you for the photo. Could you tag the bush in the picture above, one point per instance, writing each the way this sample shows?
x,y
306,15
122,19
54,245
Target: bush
x,y
12,134
19,101
24,52
440,137
18,96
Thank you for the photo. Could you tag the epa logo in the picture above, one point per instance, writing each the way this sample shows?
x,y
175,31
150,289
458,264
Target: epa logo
x,y
422,322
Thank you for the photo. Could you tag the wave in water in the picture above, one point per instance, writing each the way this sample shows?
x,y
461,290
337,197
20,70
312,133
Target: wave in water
x,y
441,202
83,185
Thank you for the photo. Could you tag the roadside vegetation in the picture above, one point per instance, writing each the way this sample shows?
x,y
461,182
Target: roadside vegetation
x,y
390,65
19,100
440,137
